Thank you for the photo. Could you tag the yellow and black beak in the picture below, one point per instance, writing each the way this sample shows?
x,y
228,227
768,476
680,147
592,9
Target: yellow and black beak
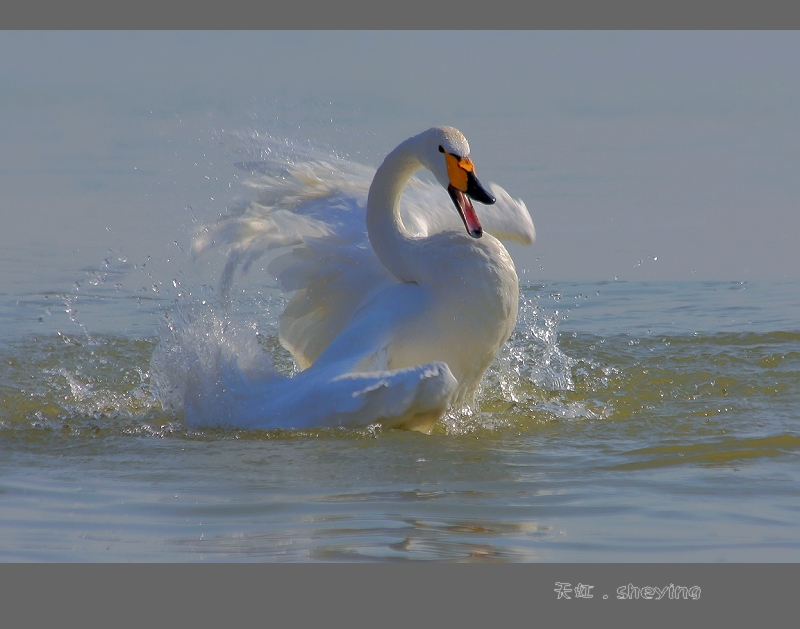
x,y
464,185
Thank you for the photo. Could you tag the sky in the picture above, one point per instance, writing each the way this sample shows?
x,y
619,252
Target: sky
x,y
641,155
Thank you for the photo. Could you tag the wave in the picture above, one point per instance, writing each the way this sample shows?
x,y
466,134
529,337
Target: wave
x,y
686,388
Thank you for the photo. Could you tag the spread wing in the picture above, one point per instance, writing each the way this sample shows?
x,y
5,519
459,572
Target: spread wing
x,y
315,210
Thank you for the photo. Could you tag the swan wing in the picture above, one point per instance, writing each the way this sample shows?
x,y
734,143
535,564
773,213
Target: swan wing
x,y
316,208
412,398
426,210
295,202
329,278
350,385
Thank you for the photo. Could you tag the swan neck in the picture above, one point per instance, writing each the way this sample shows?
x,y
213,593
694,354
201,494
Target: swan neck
x,y
385,228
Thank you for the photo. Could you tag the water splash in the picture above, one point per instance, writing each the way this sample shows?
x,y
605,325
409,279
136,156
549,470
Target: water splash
x,y
64,384
200,342
528,379
532,358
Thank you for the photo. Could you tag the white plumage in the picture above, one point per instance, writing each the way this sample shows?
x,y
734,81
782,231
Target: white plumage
x,y
395,310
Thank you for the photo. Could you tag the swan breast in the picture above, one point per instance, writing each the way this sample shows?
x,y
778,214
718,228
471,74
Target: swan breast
x,y
471,295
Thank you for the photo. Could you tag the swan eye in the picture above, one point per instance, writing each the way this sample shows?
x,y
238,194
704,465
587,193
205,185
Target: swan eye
x,y
441,149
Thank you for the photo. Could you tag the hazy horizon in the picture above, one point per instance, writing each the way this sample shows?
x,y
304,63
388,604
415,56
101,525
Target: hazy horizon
x,y
641,155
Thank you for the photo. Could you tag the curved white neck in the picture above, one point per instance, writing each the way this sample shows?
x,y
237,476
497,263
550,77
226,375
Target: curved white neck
x,y
387,234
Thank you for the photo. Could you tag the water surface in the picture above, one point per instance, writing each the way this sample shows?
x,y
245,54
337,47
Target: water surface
x,y
664,432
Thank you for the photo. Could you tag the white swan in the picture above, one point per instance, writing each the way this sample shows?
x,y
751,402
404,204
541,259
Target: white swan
x,y
394,329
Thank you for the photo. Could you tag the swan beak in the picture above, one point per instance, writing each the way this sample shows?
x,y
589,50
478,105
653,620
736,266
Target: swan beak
x,y
466,211
463,186
477,191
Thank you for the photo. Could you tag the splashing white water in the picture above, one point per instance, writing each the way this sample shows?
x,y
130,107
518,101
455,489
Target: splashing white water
x,y
200,346
532,357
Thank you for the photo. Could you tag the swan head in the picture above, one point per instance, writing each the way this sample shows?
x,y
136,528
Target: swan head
x,y
446,155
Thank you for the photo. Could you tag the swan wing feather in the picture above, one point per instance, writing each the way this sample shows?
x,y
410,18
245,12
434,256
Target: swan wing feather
x,y
317,209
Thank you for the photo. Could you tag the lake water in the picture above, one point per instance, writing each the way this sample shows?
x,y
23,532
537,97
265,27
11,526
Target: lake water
x,y
627,419
623,422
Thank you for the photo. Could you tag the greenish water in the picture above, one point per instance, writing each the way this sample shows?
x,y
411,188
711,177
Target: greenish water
x,y
623,422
